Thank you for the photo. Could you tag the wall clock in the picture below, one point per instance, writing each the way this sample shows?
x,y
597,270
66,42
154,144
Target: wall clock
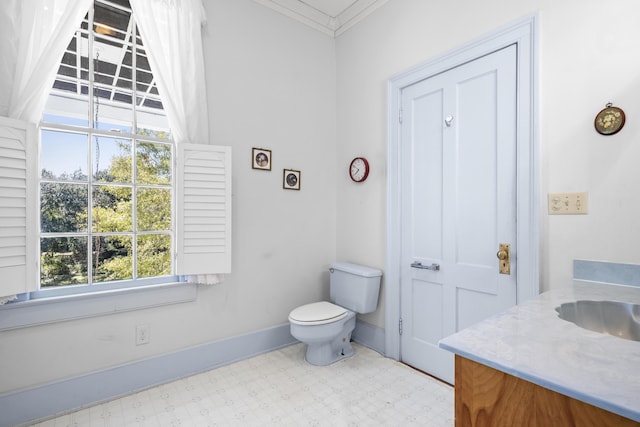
x,y
359,169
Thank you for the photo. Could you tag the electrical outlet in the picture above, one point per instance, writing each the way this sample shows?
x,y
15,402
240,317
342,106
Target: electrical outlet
x,y
142,334
568,204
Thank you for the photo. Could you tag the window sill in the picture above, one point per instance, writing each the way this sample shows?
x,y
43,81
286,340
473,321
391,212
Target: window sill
x,y
70,307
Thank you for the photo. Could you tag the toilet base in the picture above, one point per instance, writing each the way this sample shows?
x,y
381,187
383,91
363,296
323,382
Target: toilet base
x,y
323,354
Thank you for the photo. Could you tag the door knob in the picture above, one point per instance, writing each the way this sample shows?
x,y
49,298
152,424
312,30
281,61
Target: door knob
x,y
504,255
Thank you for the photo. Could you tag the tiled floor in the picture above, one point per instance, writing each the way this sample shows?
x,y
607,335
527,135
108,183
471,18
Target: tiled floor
x,y
281,389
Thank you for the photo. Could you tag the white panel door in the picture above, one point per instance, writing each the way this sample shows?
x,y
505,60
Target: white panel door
x,y
458,157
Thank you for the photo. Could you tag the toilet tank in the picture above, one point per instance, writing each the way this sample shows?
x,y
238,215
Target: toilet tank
x,y
354,286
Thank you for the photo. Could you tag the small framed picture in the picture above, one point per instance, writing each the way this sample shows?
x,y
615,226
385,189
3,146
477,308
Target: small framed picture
x,y
261,159
610,120
291,179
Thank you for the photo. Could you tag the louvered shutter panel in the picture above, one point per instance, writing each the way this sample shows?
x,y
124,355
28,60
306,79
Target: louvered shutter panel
x,y
18,194
204,209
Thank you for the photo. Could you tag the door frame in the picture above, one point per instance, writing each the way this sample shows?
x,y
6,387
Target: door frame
x,y
523,33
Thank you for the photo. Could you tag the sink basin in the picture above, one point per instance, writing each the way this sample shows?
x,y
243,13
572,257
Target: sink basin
x,y
609,317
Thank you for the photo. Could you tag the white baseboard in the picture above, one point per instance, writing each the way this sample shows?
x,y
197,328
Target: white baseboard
x,y
41,402
70,394
369,336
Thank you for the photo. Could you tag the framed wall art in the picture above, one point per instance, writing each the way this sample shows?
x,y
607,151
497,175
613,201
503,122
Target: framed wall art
x,y
261,159
291,179
609,120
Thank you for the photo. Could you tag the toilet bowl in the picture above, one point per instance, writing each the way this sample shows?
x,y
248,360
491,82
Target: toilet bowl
x,y
326,327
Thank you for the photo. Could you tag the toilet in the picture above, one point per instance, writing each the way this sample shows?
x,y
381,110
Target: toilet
x,y
326,327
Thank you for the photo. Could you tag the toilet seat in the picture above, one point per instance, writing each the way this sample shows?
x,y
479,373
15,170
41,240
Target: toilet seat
x,y
317,313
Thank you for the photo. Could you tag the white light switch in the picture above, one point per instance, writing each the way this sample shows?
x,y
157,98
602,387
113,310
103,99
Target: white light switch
x,y
568,204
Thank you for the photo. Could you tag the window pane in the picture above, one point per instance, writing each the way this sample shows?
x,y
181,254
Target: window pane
x,y
154,163
151,117
112,21
69,70
113,96
64,104
107,53
154,255
63,261
154,125
112,109
113,259
154,209
111,209
64,155
69,121
112,159
145,85
124,77
63,207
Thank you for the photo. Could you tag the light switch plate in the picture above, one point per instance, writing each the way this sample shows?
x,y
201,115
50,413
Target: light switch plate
x,y
568,204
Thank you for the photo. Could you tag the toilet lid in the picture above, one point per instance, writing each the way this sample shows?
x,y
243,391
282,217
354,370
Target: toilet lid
x,y
317,313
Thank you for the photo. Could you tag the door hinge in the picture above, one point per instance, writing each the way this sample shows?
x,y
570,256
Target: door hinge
x,y
400,115
400,326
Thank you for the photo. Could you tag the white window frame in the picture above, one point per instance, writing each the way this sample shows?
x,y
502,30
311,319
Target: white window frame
x,y
42,306
134,110
70,305
127,283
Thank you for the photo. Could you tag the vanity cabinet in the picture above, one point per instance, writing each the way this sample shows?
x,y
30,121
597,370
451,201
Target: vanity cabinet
x,y
485,396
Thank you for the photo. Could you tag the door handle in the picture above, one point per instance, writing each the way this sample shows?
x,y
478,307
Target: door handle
x,y
504,255
417,264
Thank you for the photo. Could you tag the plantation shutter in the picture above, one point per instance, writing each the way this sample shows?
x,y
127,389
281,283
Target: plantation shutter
x,y
18,201
204,209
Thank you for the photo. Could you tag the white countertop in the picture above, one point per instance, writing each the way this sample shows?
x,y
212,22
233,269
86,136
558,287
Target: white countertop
x,y
531,342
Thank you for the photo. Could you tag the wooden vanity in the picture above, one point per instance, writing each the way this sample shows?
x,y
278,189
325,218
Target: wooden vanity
x,y
487,397
528,367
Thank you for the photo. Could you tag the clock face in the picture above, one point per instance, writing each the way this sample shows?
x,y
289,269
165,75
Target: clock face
x,y
359,169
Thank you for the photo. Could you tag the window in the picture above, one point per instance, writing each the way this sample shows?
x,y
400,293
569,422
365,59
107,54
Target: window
x,y
118,203
106,161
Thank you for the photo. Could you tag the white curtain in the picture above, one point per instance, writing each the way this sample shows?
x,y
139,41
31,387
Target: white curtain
x,y
34,36
8,51
171,30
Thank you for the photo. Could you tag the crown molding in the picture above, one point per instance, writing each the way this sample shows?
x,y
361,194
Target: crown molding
x,y
330,25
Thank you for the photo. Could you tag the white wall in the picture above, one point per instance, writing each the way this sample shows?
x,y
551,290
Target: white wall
x,y
589,55
271,84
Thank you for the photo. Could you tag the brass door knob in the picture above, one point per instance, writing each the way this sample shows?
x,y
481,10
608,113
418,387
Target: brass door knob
x,y
504,255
